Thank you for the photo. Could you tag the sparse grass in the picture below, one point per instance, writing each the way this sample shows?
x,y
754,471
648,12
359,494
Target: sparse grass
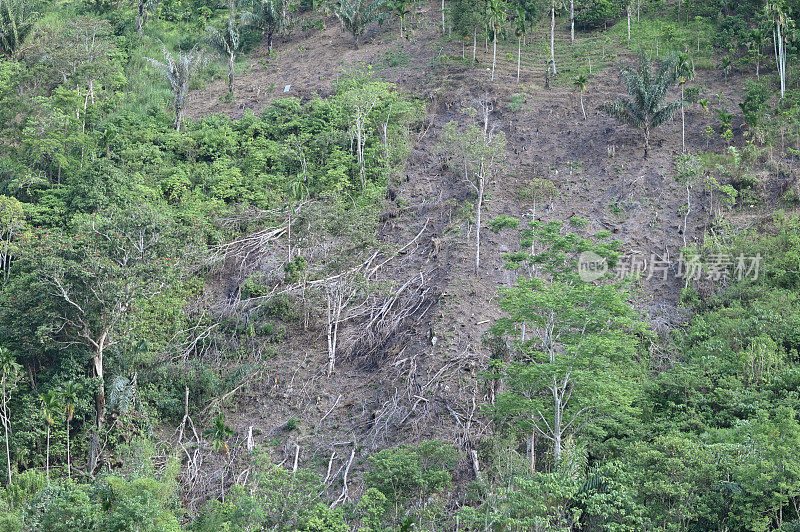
x,y
395,58
659,37
516,101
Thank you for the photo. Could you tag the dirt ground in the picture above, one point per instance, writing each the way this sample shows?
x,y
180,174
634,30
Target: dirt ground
x,y
429,388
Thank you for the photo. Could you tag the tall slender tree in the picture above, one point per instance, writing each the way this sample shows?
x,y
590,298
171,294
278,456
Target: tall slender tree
x,y
781,30
70,398
10,374
520,28
49,405
553,37
497,17
226,42
684,72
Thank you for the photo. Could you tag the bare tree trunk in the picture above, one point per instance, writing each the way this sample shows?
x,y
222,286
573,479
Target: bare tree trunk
x,y
557,422
47,456
519,54
628,13
553,36
6,423
69,465
683,125
100,403
583,110
231,72
443,31
572,20
481,182
474,42
533,451
494,52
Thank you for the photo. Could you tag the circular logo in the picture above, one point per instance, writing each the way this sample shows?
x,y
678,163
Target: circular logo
x,y
591,266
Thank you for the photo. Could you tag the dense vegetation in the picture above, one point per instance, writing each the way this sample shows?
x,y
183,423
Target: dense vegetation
x,y
130,303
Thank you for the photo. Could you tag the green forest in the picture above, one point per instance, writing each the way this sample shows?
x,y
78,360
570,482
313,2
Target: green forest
x,y
393,265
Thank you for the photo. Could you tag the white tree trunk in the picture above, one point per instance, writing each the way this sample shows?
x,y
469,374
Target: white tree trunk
x,y
474,43
519,54
582,108
553,36
572,20
494,52
628,12
443,33
481,183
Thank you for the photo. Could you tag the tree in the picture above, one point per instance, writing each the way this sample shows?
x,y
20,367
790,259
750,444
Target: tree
x,y
467,17
357,15
497,16
782,25
70,398
10,375
17,18
12,225
552,65
520,28
49,405
571,21
270,17
401,8
579,364
226,42
178,72
644,109
684,71
479,152
581,82
143,9
86,285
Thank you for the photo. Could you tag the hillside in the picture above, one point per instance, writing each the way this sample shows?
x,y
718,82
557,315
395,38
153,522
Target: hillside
x,y
241,288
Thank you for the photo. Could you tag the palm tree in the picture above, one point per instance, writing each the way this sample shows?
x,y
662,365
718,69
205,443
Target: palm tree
x,y
49,405
269,17
581,82
16,22
178,72
497,17
647,90
357,15
226,42
70,397
684,71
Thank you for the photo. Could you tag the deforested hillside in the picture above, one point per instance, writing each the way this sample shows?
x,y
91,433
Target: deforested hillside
x,y
389,264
